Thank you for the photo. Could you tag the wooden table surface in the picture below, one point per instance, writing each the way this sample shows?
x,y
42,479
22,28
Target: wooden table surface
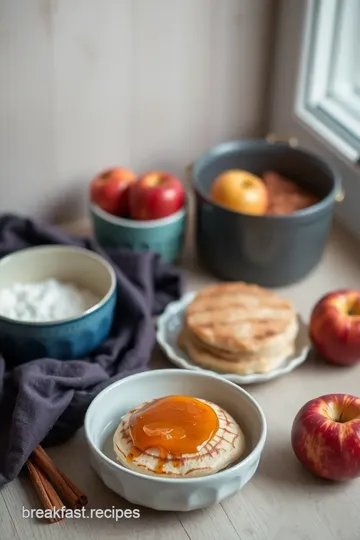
x,y
282,502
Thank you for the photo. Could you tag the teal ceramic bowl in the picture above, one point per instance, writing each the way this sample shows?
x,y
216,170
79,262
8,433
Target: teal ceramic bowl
x,y
65,339
164,236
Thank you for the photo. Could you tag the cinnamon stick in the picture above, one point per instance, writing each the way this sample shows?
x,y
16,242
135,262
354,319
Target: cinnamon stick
x,y
48,496
68,491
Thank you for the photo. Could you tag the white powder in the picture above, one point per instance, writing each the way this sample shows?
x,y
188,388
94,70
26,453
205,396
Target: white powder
x,y
45,301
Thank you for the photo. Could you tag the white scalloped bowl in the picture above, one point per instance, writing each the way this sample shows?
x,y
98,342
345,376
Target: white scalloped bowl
x,y
159,493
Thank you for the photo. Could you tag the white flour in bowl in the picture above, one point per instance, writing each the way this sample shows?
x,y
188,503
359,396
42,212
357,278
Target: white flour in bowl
x,y
45,301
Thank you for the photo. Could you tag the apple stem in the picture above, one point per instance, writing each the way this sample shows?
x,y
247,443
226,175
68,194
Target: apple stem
x,y
353,309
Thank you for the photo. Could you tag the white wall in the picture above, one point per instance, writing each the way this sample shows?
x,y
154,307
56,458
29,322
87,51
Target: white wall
x,y
87,84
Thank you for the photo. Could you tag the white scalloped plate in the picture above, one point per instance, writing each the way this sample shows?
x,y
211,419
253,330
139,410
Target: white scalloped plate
x,y
170,323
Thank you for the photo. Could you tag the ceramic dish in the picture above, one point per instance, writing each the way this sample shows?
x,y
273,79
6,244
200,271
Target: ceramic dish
x,y
65,339
272,251
171,321
164,236
161,493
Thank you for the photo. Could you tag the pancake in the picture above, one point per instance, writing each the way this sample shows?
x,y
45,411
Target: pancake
x,y
240,364
275,349
225,447
241,318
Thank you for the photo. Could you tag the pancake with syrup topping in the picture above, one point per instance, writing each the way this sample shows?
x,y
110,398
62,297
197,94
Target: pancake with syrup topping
x,y
239,328
178,437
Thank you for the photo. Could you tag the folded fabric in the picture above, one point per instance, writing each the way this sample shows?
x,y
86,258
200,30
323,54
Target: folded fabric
x,y
44,401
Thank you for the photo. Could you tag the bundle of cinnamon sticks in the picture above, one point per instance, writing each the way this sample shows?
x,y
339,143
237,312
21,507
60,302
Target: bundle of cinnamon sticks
x,y
54,489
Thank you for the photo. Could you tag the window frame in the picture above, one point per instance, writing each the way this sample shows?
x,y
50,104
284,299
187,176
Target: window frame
x,y
328,93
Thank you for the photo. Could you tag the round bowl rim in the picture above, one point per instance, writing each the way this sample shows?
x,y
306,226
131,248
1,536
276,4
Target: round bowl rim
x,y
224,147
75,249
258,448
137,224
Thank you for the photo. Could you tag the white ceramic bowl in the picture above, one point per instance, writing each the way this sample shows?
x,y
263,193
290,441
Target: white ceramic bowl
x,y
104,415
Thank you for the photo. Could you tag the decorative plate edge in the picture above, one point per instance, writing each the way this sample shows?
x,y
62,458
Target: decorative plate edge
x,y
168,350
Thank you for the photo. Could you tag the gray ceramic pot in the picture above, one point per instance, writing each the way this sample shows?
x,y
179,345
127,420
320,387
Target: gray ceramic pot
x,y
272,251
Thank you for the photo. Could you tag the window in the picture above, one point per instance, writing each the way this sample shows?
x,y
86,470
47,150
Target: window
x,y
328,93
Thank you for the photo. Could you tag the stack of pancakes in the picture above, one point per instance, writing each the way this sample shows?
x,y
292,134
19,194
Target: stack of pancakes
x,y
239,328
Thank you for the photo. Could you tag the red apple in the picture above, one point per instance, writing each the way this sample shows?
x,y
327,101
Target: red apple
x,y
335,327
156,195
325,436
109,190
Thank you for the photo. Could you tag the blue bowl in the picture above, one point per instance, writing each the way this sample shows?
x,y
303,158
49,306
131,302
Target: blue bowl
x,y
66,339
165,236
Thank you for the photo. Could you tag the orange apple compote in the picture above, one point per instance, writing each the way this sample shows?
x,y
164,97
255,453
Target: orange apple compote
x,y
174,424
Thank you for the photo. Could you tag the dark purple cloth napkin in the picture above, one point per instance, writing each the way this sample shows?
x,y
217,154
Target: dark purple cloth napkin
x,y
44,401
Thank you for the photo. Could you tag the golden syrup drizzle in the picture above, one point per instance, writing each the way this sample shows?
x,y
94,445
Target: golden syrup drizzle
x,y
175,425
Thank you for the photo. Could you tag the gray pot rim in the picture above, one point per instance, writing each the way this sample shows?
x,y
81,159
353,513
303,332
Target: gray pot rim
x,y
259,144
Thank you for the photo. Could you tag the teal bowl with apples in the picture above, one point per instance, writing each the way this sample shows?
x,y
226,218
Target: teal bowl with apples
x,y
148,213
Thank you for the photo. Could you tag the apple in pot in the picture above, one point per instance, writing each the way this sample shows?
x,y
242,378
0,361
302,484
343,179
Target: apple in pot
x,y
335,327
109,190
240,191
156,195
325,436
